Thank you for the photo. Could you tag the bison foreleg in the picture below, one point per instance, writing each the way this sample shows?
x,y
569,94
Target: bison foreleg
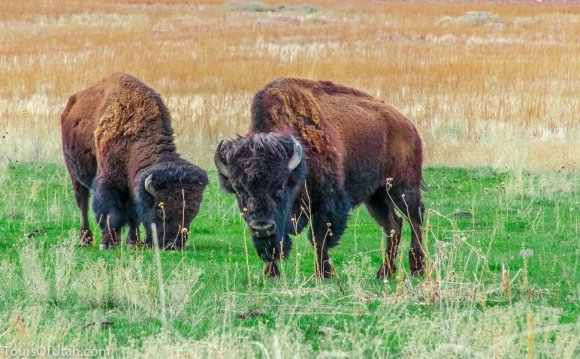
x,y
110,216
111,226
271,269
82,194
271,256
133,236
327,228
110,239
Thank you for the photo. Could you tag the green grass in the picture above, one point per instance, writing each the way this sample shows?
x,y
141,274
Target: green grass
x,y
481,297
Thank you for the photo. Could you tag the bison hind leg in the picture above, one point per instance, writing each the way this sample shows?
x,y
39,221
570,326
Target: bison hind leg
x,y
408,201
82,195
382,210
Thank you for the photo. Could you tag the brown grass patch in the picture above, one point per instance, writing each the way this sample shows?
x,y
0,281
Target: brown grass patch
x,y
486,84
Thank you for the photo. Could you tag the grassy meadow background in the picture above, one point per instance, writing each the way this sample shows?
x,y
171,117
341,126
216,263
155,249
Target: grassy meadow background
x,y
492,88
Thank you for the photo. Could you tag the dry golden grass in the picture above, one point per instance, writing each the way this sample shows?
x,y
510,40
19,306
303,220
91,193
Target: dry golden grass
x,y
496,87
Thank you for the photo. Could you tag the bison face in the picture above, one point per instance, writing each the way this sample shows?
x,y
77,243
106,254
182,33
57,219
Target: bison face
x,y
169,196
266,172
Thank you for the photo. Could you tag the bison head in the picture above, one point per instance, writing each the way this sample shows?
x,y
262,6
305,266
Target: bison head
x,y
266,172
169,195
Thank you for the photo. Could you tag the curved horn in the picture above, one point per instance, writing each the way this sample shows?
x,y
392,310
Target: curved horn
x,y
222,168
149,185
296,155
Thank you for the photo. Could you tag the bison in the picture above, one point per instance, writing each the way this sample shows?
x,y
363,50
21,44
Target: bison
x,y
314,151
117,141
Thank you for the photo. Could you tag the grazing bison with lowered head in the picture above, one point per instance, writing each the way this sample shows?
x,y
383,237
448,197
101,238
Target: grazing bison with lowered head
x,y
117,140
314,151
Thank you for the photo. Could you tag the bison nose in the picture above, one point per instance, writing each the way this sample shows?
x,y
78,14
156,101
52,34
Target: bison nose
x,y
263,228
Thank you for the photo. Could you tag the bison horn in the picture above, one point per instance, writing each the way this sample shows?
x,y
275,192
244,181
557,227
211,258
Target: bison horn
x,y
296,155
149,185
222,168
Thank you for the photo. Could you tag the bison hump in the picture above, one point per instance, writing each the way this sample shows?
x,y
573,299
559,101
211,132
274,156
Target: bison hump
x,y
287,105
128,113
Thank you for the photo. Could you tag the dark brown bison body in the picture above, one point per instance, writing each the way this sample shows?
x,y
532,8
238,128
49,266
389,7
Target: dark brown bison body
x,y
315,150
118,141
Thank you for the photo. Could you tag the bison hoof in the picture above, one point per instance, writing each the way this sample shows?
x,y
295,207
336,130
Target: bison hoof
x,y
271,270
386,271
172,247
326,275
417,269
86,238
134,244
326,271
417,262
417,272
105,246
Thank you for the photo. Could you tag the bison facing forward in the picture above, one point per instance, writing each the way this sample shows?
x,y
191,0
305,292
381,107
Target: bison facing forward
x,y
315,150
118,141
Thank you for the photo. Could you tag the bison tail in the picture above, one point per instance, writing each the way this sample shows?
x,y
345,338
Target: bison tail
x,y
424,186
70,103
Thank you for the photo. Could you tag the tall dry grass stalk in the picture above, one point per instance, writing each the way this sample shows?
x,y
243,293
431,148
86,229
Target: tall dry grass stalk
x,y
162,306
486,84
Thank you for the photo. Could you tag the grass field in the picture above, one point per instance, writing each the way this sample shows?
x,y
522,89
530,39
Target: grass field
x,y
502,280
492,88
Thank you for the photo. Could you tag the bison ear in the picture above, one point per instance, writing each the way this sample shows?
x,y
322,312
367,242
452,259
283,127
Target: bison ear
x,y
297,155
217,159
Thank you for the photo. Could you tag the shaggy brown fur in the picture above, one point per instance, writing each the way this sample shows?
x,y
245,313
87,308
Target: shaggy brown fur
x,y
115,134
358,150
342,128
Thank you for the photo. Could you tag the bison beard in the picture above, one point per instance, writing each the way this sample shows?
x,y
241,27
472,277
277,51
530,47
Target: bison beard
x,y
353,149
118,141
